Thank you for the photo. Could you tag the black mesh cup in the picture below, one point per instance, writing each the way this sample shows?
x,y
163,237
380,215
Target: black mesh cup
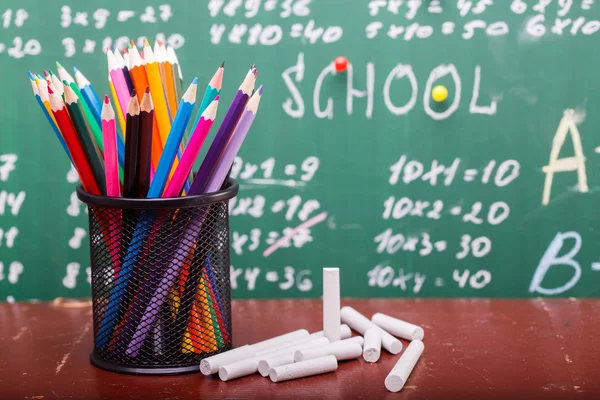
x,y
160,281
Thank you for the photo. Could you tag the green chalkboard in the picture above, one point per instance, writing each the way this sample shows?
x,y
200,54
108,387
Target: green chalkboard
x,y
492,192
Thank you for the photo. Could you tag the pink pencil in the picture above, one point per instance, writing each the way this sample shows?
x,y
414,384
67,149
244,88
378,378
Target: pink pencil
x,y
118,80
186,163
113,185
111,163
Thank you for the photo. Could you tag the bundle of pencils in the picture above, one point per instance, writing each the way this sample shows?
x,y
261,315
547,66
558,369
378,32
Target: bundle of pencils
x,y
145,146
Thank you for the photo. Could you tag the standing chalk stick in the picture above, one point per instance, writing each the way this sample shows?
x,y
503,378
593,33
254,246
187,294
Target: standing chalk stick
x,y
331,304
398,327
268,362
344,330
211,365
360,323
397,377
288,337
342,350
303,369
372,346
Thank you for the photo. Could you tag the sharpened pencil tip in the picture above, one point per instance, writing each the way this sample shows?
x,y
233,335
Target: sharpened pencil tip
x,y
31,75
75,69
133,93
195,81
58,65
146,43
260,89
254,71
46,73
106,100
147,89
223,64
217,98
253,67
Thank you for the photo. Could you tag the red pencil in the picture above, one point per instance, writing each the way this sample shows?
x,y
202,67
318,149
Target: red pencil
x,y
75,148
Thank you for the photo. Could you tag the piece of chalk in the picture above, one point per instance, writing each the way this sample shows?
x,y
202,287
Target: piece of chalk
x,y
372,346
344,329
398,327
268,362
342,350
288,337
284,346
331,304
360,323
238,369
303,369
356,339
211,365
397,377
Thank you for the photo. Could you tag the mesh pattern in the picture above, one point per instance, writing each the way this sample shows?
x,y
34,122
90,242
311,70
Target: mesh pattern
x,y
160,285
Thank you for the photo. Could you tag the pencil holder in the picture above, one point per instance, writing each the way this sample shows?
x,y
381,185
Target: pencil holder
x,y
160,281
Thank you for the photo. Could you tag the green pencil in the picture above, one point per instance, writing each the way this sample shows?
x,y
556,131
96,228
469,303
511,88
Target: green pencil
x,y
82,129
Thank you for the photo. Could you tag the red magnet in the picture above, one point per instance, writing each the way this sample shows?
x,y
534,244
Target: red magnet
x,y
341,64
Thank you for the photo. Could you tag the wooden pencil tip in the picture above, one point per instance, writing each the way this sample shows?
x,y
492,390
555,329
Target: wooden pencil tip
x,y
260,90
106,99
46,73
75,70
253,66
254,71
58,66
31,75
217,98
147,89
133,93
223,64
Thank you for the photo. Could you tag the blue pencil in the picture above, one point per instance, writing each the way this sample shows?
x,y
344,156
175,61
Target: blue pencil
x,y
184,113
34,81
89,95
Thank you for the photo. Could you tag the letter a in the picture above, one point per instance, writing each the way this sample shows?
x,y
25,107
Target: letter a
x,y
576,163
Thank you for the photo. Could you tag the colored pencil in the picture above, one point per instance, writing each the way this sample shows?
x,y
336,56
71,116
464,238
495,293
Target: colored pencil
x,y
42,91
239,134
126,58
124,68
56,83
119,115
132,147
118,80
93,124
190,154
177,76
89,94
47,111
92,154
75,148
169,81
111,161
145,142
158,95
140,81
212,90
223,135
167,159
48,79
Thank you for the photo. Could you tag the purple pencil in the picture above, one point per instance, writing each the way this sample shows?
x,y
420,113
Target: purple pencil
x,y
237,138
193,230
217,148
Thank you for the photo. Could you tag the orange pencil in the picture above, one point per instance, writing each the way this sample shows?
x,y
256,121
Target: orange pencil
x,y
75,148
140,82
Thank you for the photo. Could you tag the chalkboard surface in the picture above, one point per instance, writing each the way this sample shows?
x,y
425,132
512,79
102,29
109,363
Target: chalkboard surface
x,y
493,192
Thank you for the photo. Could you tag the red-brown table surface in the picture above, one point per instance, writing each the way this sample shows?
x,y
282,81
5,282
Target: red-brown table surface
x,y
474,349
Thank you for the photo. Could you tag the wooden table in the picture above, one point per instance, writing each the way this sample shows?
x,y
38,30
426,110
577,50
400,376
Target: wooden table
x,y
474,349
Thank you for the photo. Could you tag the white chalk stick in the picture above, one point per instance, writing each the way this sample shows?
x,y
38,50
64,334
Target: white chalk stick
x,y
356,339
331,304
287,357
211,365
360,323
372,346
284,346
238,369
398,327
344,329
288,337
397,377
342,350
303,369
